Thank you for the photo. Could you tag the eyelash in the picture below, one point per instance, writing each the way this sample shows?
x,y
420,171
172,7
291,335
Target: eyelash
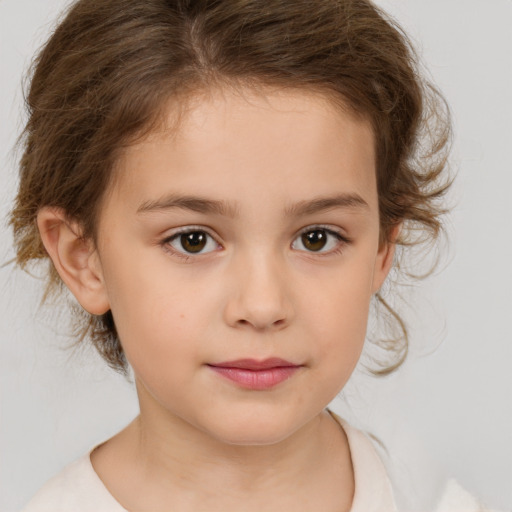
x,y
342,240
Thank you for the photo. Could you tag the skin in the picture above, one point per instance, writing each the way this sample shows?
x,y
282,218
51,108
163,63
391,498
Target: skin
x,y
201,442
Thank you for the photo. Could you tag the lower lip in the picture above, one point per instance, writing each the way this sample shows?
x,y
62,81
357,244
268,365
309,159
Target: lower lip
x,y
257,379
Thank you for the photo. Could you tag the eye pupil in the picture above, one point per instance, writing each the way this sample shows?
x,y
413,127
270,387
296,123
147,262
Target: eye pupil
x,y
314,240
193,242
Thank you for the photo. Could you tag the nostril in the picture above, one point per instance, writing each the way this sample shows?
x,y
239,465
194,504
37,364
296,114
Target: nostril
x,y
262,325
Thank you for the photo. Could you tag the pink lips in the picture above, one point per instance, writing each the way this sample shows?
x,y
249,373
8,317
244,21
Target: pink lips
x,y
254,374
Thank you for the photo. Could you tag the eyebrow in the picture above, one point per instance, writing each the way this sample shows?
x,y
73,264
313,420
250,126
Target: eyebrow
x,y
321,204
225,208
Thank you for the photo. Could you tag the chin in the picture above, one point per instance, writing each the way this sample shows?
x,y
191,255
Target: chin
x,y
254,431
254,438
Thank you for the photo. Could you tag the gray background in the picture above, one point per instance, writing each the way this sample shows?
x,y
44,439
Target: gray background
x,y
447,412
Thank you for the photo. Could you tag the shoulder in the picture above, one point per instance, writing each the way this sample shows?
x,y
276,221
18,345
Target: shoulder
x,y
456,499
373,485
78,488
373,492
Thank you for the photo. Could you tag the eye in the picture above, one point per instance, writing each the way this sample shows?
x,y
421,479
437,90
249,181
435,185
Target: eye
x,y
319,239
192,241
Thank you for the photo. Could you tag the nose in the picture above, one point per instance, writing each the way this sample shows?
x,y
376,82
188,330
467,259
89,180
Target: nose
x,y
259,294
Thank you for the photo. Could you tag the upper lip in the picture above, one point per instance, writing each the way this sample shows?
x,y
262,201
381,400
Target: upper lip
x,y
255,364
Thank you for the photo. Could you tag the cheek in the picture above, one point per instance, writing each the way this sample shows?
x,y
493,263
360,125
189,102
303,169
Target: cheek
x,y
161,345
339,316
341,330
155,312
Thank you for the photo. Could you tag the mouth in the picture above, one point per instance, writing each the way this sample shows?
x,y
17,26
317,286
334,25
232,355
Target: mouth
x,y
256,374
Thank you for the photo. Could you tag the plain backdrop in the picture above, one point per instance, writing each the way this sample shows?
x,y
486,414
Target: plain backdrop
x,y
446,413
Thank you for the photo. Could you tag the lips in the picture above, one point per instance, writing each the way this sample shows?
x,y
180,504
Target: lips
x,y
256,374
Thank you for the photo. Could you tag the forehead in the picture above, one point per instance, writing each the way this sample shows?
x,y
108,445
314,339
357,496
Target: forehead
x,y
245,142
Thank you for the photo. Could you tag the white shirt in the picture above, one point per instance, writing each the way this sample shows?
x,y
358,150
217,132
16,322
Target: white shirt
x,y
79,489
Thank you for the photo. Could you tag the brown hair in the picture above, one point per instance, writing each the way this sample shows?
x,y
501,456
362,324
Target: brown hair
x,y
110,66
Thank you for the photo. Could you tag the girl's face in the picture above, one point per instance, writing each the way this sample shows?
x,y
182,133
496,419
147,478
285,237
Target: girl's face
x,y
239,255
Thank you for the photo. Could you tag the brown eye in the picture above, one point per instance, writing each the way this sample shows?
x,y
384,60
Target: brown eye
x,y
193,242
314,240
320,240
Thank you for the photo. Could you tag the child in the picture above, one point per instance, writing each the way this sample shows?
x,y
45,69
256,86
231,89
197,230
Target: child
x,y
223,185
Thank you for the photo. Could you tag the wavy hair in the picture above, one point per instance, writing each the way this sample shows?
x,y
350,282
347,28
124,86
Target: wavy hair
x,y
110,65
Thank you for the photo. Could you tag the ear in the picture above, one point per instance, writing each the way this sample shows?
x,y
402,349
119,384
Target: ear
x,y
75,259
384,260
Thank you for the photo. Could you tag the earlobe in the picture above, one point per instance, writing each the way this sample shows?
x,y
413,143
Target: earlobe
x,y
385,257
75,259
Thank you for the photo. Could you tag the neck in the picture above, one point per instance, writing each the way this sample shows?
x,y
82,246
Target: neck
x,y
177,448
176,463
